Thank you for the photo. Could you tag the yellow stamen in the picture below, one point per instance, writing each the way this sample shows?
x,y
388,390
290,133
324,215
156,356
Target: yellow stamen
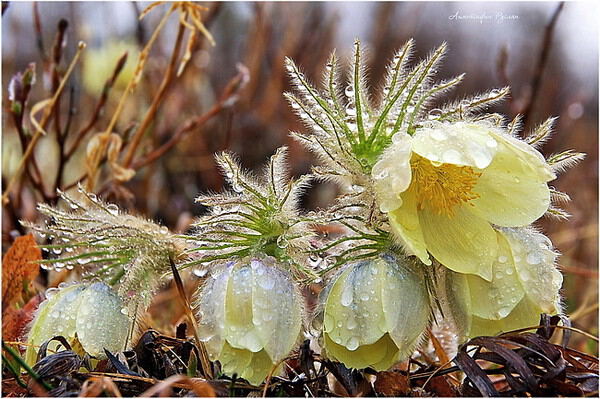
x,y
442,187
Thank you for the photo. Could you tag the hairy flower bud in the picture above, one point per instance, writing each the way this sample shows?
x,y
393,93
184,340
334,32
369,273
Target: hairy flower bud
x,y
88,314
374,313
250,316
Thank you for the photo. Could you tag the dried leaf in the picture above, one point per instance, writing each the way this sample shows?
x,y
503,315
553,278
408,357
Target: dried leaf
x,y
15,320
392,383
19,266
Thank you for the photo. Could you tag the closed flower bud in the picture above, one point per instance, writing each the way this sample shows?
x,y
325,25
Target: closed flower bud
x,y
250,316
374,313
86,314
525,283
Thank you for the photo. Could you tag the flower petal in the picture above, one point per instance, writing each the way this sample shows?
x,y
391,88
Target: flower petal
x,y
392,173
353,315
464,242
54,317
457,143
276,309
535,267
404,289
239,330
525,314
497,298
512,190
100,322
406,227
251,366
380,355
211,310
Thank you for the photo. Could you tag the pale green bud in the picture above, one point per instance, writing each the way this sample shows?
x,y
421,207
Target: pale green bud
x,y
374,313
250,316
87,314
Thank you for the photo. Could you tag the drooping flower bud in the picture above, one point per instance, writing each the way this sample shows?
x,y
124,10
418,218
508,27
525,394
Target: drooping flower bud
x,y
250,316
374,312
525,283
87,314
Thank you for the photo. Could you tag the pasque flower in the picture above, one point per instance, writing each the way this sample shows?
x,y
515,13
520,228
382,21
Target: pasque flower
x,y
87,314
525,282
250,317
444,187
374,312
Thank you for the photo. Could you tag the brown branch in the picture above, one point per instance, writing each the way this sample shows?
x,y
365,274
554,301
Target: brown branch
x,y
57,51
99,106
228,98
158,98
540,66
37,26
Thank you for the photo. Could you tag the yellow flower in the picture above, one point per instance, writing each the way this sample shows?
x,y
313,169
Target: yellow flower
x,y
525,283
374,313
445,187
90,315
250,317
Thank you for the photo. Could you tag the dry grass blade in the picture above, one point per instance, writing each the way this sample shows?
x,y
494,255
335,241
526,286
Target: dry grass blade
x,y
204,361
164,388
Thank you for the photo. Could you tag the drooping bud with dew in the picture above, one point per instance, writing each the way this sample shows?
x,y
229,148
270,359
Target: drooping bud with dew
x,y
121,249
525,283
250,316
90,315
374,312
252,244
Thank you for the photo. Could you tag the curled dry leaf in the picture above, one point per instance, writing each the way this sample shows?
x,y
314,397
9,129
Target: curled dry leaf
x,y
19,266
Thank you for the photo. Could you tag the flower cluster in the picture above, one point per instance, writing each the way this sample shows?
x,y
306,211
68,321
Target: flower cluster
x,y
450,191
436,208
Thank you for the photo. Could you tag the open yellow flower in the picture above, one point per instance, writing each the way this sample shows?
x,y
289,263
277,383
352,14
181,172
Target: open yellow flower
x,y
250,317
525,283
444,187
374,313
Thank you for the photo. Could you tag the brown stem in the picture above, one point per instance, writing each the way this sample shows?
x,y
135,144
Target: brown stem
x,y
227,99
99,106
539,68
151,113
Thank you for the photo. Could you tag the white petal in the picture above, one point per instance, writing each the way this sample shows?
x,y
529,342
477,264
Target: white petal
x,y
392,174
458,143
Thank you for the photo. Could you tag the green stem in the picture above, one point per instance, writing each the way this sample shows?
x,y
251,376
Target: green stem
x,y
29,370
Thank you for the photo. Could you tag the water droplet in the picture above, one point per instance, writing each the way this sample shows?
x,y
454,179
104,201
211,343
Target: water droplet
x,y
502,259
113,209
434,113
295,105
200,272
438,135
57,251
282,242
533,258
491,143
347,296
451,156
124,311
349,91
352,344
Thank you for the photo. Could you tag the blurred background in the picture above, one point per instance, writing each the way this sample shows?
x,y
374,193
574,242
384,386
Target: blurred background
x,y
549,57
